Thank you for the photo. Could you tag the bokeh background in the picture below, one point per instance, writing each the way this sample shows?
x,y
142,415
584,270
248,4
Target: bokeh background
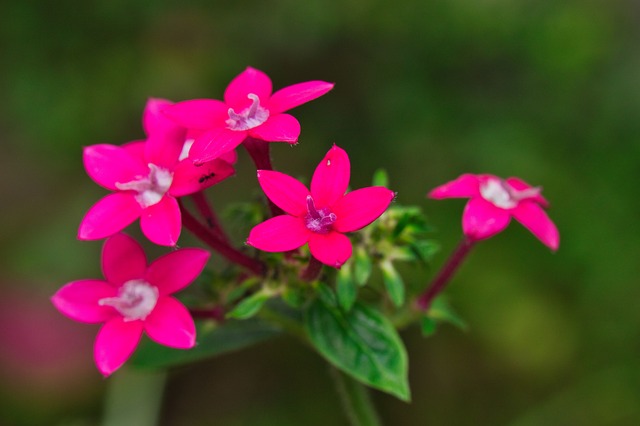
x,y
547,90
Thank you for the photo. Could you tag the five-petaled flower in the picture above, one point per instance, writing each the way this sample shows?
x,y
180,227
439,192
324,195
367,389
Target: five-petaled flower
x,y
146,177
321,216
494,201
134,298
249,109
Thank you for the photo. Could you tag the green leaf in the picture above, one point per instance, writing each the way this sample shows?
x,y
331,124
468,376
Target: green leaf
x,y
250,306
326,294
428,326
293,297
346,288
212,340
425,249
361,266
441,311
380,178
362,343
393,283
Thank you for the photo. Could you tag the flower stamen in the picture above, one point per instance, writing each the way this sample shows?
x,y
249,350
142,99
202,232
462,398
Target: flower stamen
x,y
319,221
135,300
250,117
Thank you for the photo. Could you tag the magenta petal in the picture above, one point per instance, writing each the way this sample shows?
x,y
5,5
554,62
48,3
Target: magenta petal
x,y
520,185
332,249
165,138
280,233
108,164
115,343
213,144
466,185
331,178
481,219
230,157
286,192
278,128
297,94
109,215
176,270
189,178
249,81
198,113
359,208
170,324
535,219
79,300
161,223
123,259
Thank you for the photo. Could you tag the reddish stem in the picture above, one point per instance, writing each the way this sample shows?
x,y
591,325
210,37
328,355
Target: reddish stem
x,y
312,270
207,212
259,152
216,313
444,276
222,247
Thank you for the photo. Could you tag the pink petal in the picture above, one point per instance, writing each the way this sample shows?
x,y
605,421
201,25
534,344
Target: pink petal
x,y
359,208
79,300
481,219
332,249
189,178
230,157
280,233
297,94
123,259
249,81
286,192
198,113
536,220
165,138
111,214
170,324
136,149
108,164
520,185
161,223
153,119
278,128
213,144
331,178
176,270
465,186
115,343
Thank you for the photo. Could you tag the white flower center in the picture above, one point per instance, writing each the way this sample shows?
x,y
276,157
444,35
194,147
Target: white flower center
x,y
135,300
319,221
499,193
248,118
150,188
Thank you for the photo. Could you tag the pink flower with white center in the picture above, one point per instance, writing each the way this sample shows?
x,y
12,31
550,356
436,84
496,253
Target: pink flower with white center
x,y
494,201
321,216
146,177
134,298
249,109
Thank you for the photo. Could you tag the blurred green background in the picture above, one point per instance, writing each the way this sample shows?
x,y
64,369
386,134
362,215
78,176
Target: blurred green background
x,y
547,90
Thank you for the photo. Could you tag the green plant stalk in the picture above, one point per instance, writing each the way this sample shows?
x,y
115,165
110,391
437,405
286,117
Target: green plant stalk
x,y
355,399
134,398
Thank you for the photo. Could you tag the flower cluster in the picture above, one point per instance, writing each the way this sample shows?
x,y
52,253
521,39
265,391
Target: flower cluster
x,y
190,146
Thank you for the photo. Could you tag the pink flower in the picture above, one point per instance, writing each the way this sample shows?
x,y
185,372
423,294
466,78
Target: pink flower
x,y
495,201
249,109
134,297
146,176
321,216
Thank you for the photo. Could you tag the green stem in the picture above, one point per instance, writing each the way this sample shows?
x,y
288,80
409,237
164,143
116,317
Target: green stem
x,y
134,398
356,400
